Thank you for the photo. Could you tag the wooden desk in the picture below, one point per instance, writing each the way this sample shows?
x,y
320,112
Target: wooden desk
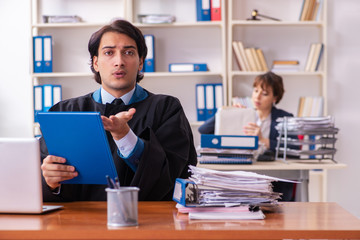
x,y
292,169
158,220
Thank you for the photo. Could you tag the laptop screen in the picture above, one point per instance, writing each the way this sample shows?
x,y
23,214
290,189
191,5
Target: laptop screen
x,y
20,175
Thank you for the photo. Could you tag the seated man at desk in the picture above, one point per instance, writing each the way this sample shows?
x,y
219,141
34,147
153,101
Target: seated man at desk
x,y
149,135
268,90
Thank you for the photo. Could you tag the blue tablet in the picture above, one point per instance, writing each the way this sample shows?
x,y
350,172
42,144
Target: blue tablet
x,y
80,138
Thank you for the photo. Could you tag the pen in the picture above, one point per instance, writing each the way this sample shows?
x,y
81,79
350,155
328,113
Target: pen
x,y
117,183
110,182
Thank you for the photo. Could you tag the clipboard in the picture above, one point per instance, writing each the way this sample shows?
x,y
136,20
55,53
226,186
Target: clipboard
x,y
80,138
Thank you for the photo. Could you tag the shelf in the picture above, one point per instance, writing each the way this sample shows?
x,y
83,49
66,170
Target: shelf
x,y
62,74
68,25
243,73
140,25
276,23
150,74
179,24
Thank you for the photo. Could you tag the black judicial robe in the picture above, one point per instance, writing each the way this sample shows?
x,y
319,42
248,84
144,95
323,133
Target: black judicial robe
x,y
168,149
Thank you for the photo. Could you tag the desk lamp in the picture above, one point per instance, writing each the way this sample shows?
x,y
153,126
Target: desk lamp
x,y
255,14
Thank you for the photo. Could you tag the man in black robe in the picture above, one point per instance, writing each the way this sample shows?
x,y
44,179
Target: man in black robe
x,y
149,135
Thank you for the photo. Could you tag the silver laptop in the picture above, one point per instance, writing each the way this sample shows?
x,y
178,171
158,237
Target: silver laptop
x,y
20,177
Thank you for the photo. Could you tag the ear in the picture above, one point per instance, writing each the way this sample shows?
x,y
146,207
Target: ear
x,y
95,63
141,63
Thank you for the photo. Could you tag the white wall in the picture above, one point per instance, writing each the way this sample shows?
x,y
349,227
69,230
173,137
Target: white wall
x,y
343,87
15,83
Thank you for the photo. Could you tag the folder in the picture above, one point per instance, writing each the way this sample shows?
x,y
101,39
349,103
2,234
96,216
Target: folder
x,y
215,13
80,138
200,102
203,10
38,101
47,54
183,189
219,96
210,100
38,53
51,95
187,67
149,64
229,141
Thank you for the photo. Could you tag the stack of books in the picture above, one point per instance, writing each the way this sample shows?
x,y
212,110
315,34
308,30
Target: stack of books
x,y
310,10
285,66
249,59
212,194
311,106
314,57
227,149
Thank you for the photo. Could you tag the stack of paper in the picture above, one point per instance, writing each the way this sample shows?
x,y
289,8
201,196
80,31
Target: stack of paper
x,y
316,137
211,194
224,188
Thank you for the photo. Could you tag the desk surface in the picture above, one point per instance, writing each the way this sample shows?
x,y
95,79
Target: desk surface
x,y
278,165
159,220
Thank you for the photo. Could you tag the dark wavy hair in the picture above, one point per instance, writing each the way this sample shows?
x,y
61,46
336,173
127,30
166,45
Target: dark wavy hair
x,y
118,26
275,82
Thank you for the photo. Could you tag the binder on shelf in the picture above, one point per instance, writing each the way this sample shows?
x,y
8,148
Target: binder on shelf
x,y
45,96
210,101
200,102
38,101
42,46
38,53
51,95
203,10
149,64
188,67
215,13
229,141
47,43
209,97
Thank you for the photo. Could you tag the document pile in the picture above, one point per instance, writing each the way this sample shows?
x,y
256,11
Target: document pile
x,y
156,18
227,149
316,137
213,194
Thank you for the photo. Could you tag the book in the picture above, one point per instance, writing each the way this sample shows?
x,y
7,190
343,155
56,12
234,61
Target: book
x,y
285,65
261,57
250,58
238,57
310,57
256,59
243,55
80,138
315,62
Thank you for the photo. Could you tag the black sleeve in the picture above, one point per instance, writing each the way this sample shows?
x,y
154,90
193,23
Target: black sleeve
x,y
168,151
208,127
